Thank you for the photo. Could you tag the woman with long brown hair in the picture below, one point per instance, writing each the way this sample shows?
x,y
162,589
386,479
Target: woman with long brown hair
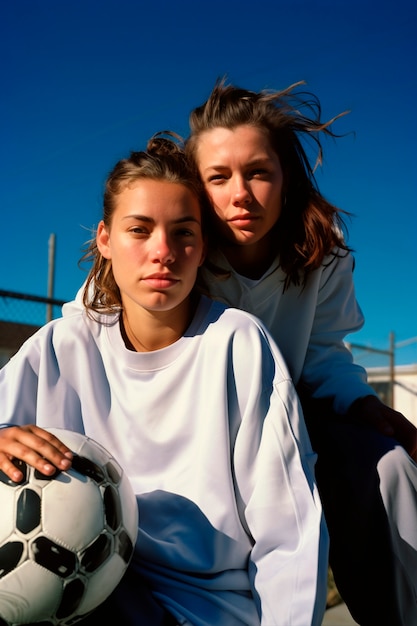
x,y
281,254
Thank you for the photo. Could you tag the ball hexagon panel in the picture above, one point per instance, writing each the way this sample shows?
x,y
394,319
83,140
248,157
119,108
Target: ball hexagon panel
x,y
63,496
22,597
8,515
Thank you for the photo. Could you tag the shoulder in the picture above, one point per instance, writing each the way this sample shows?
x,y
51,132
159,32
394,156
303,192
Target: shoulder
x,y
68,331
338,261
249,341
226,316
337,273
76,323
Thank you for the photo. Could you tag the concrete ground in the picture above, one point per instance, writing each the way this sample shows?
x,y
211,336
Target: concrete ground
x,y
338,616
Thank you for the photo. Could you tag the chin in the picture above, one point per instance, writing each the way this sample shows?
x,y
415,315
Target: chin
x,y
246,239
164,304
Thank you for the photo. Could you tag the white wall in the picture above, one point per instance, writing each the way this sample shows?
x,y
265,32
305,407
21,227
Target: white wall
x,y
405,387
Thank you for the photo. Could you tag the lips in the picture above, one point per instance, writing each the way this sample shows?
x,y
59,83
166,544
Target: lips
x,y
160,280
244,219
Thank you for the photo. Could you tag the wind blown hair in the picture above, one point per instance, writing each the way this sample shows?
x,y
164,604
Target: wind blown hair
x,y
309,228
163,160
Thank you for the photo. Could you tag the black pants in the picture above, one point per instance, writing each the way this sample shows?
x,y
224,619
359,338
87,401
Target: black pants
x,y
118,609
361,555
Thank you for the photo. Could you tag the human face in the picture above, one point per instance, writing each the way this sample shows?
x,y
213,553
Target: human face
x,y
155,244
244,180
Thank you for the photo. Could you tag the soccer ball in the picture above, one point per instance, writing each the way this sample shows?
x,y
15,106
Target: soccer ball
x,y
66,540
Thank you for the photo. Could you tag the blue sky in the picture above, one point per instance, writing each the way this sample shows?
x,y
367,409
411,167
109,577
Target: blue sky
x,y
86,81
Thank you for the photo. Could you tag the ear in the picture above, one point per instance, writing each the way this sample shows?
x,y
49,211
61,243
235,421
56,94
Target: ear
x,y
103,240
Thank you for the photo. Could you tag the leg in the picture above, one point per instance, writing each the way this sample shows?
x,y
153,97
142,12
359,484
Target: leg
x,y
400,487
355,472
131,604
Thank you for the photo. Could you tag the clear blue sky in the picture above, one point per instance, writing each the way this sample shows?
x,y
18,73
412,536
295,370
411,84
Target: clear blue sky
x,y
85,81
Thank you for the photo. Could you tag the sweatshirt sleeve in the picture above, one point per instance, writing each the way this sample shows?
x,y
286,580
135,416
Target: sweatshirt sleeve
x,y
329,370
34,388
274,467
19,386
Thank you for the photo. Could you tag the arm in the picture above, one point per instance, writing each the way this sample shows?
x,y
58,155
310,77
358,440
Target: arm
x,y
274,466
21,439
329,370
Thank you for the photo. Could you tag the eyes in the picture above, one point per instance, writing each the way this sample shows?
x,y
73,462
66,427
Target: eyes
x,y
258,173
146,230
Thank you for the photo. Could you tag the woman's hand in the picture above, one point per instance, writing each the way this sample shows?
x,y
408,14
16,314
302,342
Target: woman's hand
x,y
387,421
36,447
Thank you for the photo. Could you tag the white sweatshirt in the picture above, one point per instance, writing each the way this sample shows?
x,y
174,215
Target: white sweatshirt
x,y
211,435
308,323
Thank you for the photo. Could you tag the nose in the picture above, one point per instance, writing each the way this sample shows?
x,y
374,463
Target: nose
x,y
162,251
241,194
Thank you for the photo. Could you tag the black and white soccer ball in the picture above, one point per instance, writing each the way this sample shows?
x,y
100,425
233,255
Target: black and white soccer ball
x,y
65,541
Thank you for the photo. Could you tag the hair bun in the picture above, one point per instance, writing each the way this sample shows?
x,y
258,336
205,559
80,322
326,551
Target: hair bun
x,y
165,142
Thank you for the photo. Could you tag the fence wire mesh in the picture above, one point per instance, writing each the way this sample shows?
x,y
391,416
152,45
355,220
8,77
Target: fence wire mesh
x,y
20,316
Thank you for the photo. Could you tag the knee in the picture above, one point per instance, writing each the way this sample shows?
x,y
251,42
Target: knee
x,y
397,471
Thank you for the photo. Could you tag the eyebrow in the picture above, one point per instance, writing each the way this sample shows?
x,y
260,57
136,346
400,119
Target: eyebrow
x,y
150,220
254,162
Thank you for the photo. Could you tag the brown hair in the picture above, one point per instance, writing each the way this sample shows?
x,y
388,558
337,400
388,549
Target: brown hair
x,y
310,227
163,160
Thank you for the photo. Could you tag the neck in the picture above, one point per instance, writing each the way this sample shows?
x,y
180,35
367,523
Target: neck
x,y
251,260
154,331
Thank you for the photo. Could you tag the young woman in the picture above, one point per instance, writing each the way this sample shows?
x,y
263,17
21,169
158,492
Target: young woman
x,y
195,402
282,256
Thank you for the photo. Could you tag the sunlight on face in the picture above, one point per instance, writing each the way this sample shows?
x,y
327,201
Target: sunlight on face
x,y
243,177
155,244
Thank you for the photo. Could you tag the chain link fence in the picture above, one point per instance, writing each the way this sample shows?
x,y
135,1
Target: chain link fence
x,y
20,316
